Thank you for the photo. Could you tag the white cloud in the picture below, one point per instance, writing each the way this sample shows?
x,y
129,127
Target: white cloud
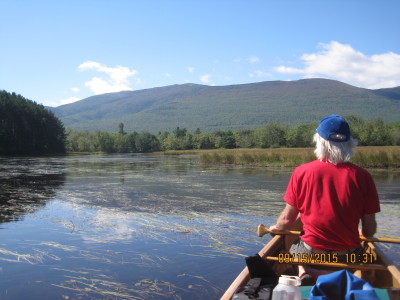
x,y
342,62
115,81
190,69
205,78
253,59
287,70
168,75
69,100
75,90
258,73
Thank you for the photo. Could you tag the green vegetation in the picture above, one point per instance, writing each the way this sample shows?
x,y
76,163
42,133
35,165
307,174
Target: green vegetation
x,y
272,135
378,157
27,128
106,142
259,157
368,157
234,107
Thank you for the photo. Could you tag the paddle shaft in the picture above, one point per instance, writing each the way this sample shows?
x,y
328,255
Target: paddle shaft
x,y
262,230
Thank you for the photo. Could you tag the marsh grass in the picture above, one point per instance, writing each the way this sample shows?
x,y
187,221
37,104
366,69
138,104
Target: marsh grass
x,y
11,256
371,157
378,157
259,157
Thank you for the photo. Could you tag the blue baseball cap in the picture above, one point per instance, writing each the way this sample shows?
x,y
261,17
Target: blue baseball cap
x,y
334,128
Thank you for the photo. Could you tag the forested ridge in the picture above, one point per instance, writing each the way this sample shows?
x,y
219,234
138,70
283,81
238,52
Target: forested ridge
x,y
27,128
233,107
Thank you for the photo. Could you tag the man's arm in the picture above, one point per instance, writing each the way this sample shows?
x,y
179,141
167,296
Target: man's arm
x,y
368,225
286,218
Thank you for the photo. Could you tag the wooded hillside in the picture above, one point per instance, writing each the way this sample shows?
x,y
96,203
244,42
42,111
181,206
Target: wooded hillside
x,y
27,128
234,107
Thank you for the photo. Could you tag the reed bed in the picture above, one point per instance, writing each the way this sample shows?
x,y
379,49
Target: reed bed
x,y
259,157
378,157
371,157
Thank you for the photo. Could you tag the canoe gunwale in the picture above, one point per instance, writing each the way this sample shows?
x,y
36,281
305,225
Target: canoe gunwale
x,y
274,245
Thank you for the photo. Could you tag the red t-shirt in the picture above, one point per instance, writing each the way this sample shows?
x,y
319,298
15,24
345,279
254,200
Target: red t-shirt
x,y
331,200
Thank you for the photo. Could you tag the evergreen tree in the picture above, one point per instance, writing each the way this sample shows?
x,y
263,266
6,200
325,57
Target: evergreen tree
x,y
121,128
27,128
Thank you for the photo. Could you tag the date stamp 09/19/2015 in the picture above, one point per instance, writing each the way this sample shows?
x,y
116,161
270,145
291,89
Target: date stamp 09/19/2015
x,y
305,258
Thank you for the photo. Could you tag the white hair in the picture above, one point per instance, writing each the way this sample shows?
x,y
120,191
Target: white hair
x,y
334,152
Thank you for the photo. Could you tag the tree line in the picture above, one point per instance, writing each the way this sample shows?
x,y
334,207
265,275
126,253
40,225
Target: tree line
x,y
27,128
272,135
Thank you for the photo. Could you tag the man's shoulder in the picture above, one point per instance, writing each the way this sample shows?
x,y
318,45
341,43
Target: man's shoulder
x,y
307,167
357,169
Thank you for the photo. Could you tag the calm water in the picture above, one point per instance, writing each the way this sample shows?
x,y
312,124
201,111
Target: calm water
x,y
140,226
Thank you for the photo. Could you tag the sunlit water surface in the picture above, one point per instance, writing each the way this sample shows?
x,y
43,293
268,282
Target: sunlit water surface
x,y
140,226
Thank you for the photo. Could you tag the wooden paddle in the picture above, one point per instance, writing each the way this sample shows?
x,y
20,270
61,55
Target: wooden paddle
x,y
262,230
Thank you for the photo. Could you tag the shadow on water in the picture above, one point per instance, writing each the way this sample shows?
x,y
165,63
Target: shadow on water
x,y
26,185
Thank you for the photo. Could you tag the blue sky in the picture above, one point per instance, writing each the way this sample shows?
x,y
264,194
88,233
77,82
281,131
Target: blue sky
x,y
56,52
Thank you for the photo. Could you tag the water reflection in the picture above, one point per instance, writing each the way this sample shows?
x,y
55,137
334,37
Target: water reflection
x,y
173,185
178,185
26,185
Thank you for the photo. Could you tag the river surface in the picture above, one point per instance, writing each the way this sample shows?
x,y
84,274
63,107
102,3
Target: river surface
x,y
141,226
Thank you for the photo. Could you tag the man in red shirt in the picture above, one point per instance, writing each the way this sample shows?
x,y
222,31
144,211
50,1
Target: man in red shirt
x,y
332,195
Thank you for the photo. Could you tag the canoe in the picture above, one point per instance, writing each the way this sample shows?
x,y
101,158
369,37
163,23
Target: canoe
x,y
381,273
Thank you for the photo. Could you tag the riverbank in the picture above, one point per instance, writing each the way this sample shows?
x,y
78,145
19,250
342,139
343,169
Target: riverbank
x,y
368,157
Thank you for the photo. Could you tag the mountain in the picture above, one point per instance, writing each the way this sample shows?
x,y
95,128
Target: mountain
x,y
234,107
